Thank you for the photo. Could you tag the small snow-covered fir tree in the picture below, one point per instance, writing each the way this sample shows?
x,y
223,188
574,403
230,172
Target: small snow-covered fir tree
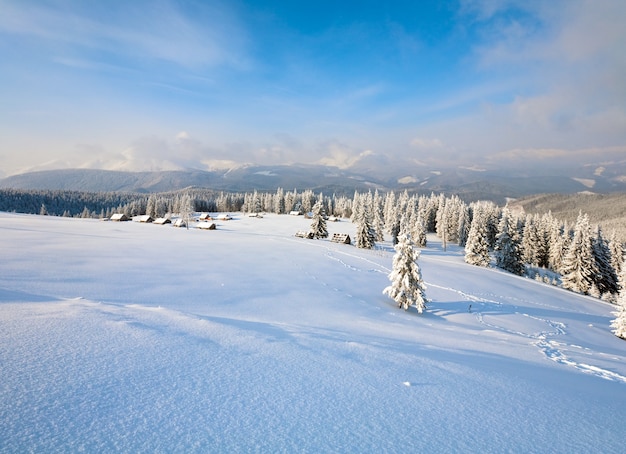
x,y
407,286
578,268
186,205
365,235
617,252
477,248
619,323
378,217
464,225
318,226
418,229
556,248
605,275
508,254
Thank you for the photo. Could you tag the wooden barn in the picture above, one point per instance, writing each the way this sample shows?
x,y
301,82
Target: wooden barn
x,y
341,238
206,225
305,234
119,217
162,221
179,223
143,218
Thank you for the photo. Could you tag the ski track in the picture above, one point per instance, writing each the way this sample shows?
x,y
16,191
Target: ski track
x,y
379,268
542,340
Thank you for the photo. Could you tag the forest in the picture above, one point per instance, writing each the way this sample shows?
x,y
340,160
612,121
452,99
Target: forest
x,y
578,256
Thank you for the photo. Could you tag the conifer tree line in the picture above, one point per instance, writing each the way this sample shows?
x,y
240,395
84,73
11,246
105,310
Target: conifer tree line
x,y
577,257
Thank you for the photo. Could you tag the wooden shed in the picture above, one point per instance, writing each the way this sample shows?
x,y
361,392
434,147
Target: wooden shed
x,y
162,221
179,223
119,217
341,238
143,218
206,225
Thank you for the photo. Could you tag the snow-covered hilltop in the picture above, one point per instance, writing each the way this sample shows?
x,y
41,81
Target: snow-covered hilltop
x,y
128,337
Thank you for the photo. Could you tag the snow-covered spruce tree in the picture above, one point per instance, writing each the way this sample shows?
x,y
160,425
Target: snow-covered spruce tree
x,y
418,229
464,225
318,226
617,252
476,248
556,249
577,271
391,211
508,254
605,277
535,242
378,216
187,208
407,286
365,235
619,323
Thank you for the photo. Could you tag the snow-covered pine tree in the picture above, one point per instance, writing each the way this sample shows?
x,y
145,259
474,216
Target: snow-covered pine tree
x,y
543,240
279,201
508,254
257,205
617,252
577,272
407,286
151,207
464,225
318,226
605,277
556,248
418,229
430,212
476,248
619,323
187,208
391,210
357,207
378,216
365,235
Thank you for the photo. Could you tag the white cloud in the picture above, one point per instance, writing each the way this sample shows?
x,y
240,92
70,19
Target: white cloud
x,y
541,156
342,156
157,30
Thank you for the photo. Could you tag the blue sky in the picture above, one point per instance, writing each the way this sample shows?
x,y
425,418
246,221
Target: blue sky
x,y
167,84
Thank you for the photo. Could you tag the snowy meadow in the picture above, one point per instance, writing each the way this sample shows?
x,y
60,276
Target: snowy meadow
x,y
130,337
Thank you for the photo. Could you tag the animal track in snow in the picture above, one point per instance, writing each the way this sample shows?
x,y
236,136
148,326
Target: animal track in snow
x,y
549,348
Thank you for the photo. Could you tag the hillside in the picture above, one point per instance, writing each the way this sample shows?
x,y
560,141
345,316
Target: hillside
x,y
608,210
129,337
468,184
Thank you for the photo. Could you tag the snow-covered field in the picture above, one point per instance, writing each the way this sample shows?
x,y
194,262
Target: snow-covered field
x,y
143,338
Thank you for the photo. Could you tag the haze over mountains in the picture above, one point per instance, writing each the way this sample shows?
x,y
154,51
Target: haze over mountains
x,y
375,173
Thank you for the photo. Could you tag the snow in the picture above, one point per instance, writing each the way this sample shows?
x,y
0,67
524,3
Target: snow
x,y
141,338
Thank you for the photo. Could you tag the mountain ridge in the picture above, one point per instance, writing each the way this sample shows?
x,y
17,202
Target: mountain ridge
x,y
468,183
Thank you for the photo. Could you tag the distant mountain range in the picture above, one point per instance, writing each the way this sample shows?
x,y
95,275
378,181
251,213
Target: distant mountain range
x,y
470,184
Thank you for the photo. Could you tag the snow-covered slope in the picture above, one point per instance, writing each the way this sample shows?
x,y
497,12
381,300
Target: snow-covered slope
x,y
143,338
